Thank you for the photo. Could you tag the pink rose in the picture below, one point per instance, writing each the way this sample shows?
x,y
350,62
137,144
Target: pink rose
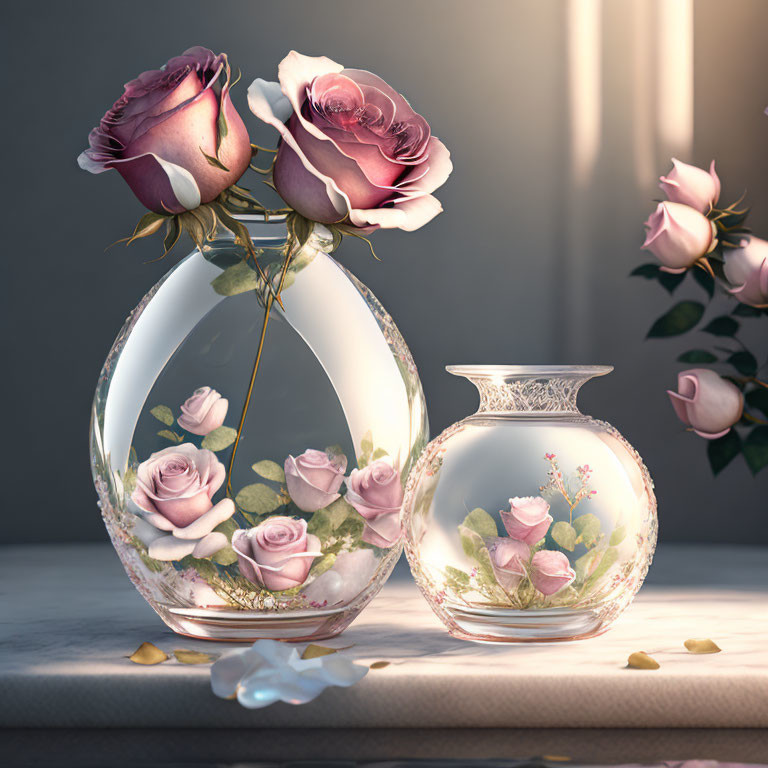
x,y
551,571
678,236
692,186
376,492
178,483
353,151
203,412
508,558
157,131
277,554
707,402
314,479
528,519
746,267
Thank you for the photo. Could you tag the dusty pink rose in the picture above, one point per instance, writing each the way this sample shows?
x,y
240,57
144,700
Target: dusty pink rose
x,y
551,571
707,402
509,558
203,412
527,519
353,150
157,131
178,483
314,479
678,236
277,554
692,186
376,492
746,268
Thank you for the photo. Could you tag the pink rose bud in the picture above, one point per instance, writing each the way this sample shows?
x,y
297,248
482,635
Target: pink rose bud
x,y
352,149
528,519
707,402
178,483
157,131
376,492
551,571
678,236
203,412
746,268
508,559
692,186
313,479
277,554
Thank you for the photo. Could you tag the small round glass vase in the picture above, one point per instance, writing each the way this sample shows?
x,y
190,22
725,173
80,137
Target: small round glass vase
x,y
529,521
285,542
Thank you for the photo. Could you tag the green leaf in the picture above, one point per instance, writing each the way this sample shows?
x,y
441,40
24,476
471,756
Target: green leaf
x,y
479,521
366,449
129,481
456,579
379,453
330,519
583,564
588,529
723,451
163,413
219,439
168,435
214,161
697,356
618,535
148,224
681,318
755,449
744,310
610,556
648,271
705,280
225,556
756,398
228,527
670,280
238,278
172,234
322,565
722,326
269,470
744,362
564,535
258,499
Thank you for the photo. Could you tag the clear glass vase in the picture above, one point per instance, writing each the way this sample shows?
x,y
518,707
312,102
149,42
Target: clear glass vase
x,y
529,521
290,541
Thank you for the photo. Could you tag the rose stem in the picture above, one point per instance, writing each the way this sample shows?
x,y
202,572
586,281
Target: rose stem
x,y
267,310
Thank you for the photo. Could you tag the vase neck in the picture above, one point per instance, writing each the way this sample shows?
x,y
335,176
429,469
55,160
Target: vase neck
x,y
273,231
528,390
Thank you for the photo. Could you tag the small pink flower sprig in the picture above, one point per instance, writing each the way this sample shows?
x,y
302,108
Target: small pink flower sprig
x,y
558,484
689,234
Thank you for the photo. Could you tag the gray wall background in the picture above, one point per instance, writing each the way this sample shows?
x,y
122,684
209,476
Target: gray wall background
x,y
523,266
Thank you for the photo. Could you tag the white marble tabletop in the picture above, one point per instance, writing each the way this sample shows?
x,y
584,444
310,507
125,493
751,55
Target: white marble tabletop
x,y
69,617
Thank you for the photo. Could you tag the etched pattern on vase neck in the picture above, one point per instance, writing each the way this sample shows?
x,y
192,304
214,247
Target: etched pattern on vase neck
x,y
529,395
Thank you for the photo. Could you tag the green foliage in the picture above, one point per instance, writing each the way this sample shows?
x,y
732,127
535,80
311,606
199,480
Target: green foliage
x,y
744,310
705,280
722,326
328,520
755,449
479,521
269,470
163,413
744,362
618,535
366,450
587,527
258,499
238,278
225,556
228,527
758,399
681,318
219,439
169,435
723,451
668,280
697,356
456,580
564,535
608,558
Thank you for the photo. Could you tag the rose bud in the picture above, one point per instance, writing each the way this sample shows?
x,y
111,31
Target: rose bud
x,y
707,402
508,558
157,132
692,186
528,519
678,236
746,267
203,412
551,571
376,492
353,150
313,479
277,554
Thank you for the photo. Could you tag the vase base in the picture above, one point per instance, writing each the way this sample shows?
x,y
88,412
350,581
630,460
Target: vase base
x,y
504,625
248,626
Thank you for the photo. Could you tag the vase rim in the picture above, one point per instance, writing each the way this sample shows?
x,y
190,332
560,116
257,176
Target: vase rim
x,y
477,371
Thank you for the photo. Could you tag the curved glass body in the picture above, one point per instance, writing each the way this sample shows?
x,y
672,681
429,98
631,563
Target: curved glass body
x,y
529,521
277,547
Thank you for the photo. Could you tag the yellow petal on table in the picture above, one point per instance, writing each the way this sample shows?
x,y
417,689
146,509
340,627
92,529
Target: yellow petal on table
x,y
147,653
701,645
641,660
380,664
194,657
313,651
